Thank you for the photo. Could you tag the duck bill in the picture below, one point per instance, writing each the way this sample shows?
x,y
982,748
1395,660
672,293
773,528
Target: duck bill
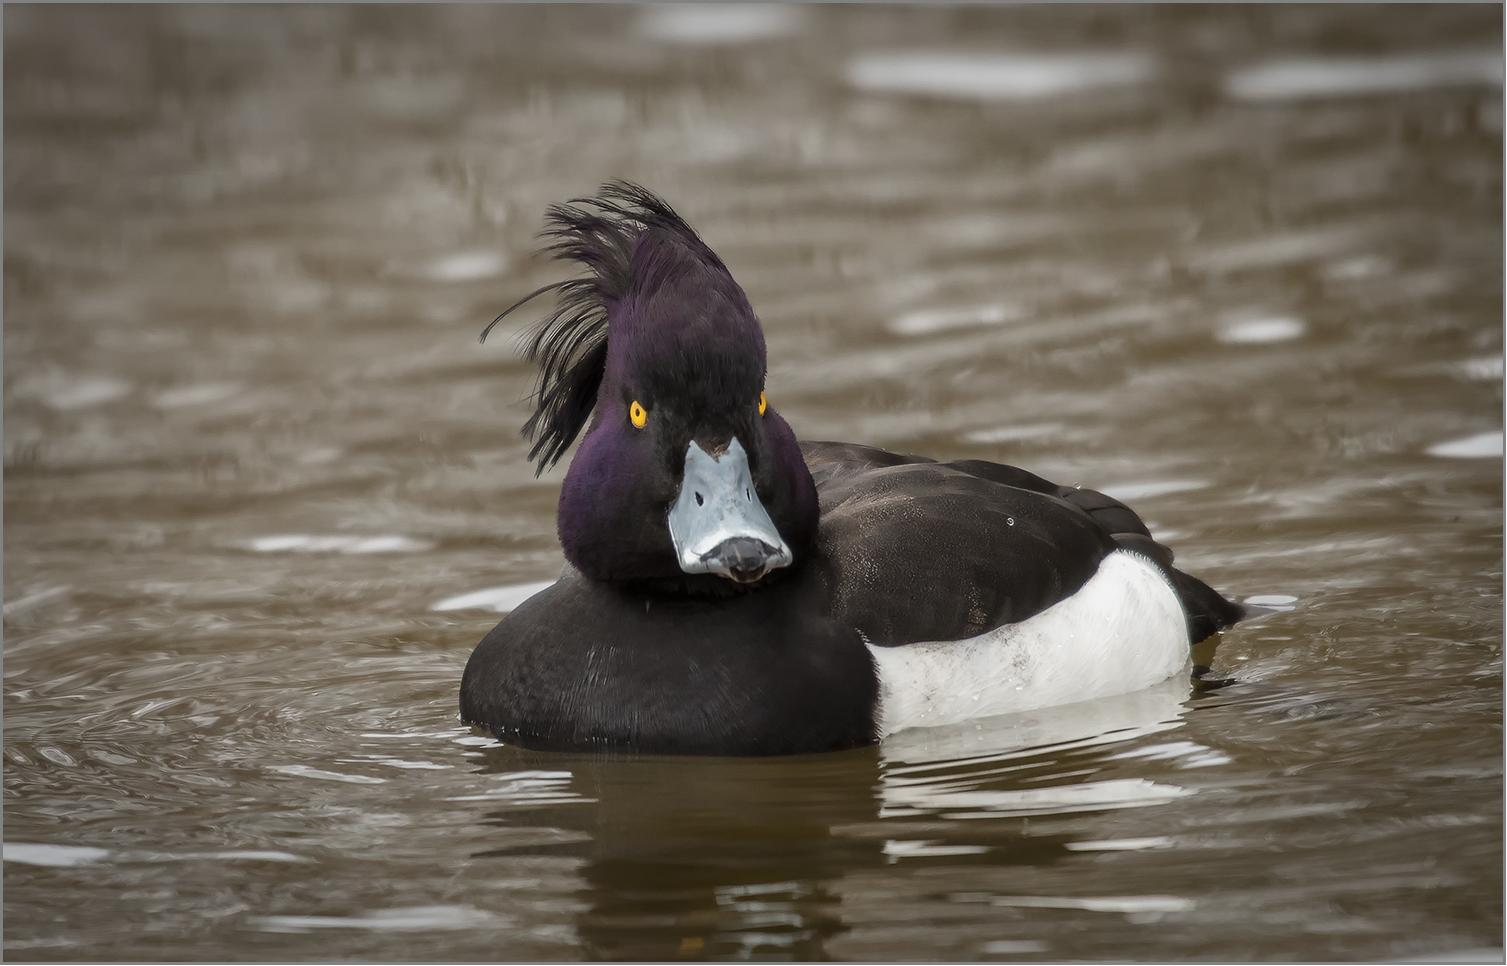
x,y
718,525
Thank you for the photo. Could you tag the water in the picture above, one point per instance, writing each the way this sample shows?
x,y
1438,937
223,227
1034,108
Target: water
x,y
265,491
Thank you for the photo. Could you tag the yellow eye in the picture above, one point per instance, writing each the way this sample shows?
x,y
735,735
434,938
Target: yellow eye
x,y
763,404
638,414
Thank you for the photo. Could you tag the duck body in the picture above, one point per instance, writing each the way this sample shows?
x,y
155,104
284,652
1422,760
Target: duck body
x,y
586,665
732,591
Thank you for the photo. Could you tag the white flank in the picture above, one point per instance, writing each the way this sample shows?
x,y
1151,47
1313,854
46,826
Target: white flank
x,y
1122,631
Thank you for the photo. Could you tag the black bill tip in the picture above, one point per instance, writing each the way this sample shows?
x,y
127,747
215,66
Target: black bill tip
x,y
743,559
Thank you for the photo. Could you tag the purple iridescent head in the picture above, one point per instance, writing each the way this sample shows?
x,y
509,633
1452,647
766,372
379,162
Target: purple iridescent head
x,y
685,476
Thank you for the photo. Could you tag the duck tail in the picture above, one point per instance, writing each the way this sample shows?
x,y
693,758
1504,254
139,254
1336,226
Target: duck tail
x,y
1207,611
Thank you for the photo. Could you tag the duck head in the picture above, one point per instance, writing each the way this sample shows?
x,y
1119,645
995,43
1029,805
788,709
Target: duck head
x,y
686,476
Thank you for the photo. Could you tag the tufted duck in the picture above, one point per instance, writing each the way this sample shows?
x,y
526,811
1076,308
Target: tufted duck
x,y
733,591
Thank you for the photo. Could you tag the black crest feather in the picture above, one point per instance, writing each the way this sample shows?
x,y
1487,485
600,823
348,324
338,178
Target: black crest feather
x,y
570,344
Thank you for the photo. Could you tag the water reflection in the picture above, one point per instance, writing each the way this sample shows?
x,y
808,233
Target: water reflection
x,y
403,919
732,858
697,24
719,858
995,76
1037,763
1354,76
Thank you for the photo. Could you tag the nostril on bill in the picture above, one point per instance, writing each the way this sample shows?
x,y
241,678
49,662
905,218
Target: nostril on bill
x,y
699,500
746,559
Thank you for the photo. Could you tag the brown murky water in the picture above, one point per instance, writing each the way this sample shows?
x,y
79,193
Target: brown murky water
x,y
1240,266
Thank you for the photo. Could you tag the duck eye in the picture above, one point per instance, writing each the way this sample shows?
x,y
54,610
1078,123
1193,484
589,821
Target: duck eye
x,y
638,414
763,404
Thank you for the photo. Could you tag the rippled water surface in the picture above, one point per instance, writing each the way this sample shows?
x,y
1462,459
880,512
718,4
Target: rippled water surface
x,y
1241,267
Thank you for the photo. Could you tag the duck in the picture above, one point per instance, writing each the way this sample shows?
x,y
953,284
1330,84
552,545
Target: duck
x,y
732,590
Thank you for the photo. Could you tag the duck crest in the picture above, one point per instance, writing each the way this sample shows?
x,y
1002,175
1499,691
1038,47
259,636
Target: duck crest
x,y
640,256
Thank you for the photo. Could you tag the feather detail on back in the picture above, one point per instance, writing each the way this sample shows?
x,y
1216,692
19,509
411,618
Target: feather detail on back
x,y
570,344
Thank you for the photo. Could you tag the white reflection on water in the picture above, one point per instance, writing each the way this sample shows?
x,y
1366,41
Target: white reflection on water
x,y
1359,267
196,395
994,76
466,266
308,543
1003,946
898,849
17,607
58,856
527,789
66,856
947,769
1188,754
499,599
1137,908
319,774
1276,603
1120,845
961,800
717,23
1479,446
1262,331
477,741
941,320
409,919
1271,249
1124,717
396,763
1483,369
1142,491
1337,77
66,392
